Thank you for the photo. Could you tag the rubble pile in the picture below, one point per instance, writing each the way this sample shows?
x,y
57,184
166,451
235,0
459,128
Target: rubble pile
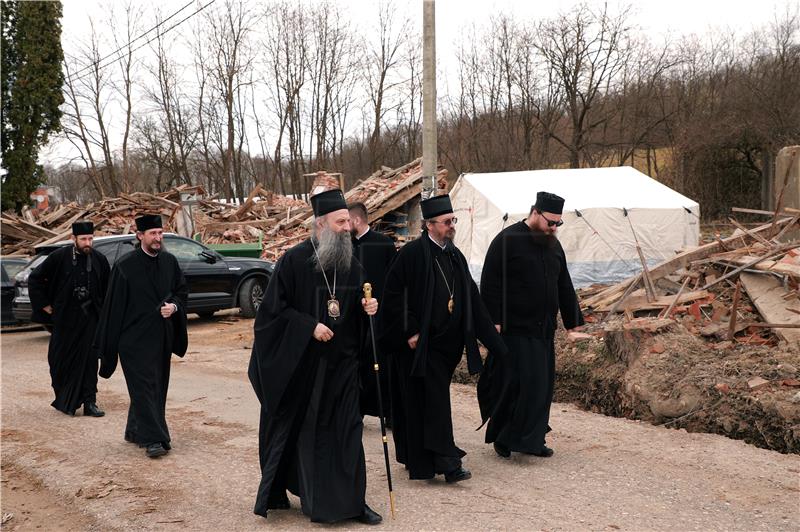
x,y
741,289
279,222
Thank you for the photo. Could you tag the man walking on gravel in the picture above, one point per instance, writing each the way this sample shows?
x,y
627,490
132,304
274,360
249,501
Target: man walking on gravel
x,y
310,332
70,286
524,284
431,312
143,323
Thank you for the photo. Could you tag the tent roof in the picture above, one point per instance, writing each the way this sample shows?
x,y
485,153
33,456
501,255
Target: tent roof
x,y
582,188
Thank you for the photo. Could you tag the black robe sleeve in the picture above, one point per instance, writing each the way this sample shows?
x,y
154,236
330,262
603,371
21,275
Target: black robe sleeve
x,y
571,314
179,296
42,287
492,277
282,334
103,272
399,321
109,328
484,325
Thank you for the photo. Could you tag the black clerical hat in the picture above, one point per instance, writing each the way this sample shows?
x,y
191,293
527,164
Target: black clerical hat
x,y
82,228
148,221
328,201
547,202
436,206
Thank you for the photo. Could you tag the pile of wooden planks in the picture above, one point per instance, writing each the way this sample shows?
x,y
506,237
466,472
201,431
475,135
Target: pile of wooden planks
x,y
381,193
21,233
736,288
278,221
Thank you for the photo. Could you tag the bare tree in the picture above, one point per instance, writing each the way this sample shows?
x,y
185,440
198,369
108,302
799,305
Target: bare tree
x,y
383,58
585,50
87,95
286,50
75,128
229,31
123,41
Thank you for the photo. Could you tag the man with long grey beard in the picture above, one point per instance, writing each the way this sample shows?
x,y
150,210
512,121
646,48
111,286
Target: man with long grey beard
x,y
310,332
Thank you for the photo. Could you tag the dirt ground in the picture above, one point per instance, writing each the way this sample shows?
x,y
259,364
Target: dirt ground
x,y
66,473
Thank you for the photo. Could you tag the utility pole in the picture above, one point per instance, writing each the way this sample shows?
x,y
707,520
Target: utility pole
x,y
429,154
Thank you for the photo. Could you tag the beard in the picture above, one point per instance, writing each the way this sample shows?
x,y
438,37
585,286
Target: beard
x,y
543,238
86,250
334,250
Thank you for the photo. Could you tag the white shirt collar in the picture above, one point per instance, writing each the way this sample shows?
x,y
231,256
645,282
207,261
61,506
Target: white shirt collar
x,y
150,254
435,242
358,237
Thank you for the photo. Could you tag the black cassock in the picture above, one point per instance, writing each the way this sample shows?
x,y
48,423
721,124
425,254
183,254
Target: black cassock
x,y
310,429
60,281
375,252
524,284
132,326
415,301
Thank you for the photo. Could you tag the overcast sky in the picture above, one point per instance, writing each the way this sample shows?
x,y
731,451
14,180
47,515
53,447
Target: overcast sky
x,y
455,18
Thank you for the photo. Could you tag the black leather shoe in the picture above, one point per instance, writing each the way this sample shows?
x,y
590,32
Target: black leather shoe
x,y
279,502
502,450
90,409
154,450
546,452
369,517
129,438
166,445
457,475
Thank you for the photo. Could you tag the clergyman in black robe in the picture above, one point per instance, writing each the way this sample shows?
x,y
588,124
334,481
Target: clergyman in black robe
x,y
70,286
310,331
431,311
143,323
376,252
524,284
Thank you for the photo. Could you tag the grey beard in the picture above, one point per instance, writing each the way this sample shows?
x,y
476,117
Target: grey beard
x,y
334,250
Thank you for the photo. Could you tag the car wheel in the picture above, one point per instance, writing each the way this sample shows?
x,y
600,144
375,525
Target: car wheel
x,y
250,295
207,315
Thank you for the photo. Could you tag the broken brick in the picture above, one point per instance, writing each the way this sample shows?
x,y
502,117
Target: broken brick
x,y
658,347
722,387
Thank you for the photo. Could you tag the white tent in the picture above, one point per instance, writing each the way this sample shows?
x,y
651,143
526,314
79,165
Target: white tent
x,y
597,235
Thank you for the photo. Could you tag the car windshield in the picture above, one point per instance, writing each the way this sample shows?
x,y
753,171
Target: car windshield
x,y
22,275
13,268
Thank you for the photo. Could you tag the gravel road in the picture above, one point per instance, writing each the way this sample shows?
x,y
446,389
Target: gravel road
x,y
607,473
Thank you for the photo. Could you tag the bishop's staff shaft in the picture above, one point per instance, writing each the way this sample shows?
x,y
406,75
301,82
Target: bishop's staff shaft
x,y
376,367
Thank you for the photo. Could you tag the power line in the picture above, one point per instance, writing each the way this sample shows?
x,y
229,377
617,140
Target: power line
x,y
93,63
75,78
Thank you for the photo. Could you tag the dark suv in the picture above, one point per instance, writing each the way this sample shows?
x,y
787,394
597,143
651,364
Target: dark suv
x,y
215,282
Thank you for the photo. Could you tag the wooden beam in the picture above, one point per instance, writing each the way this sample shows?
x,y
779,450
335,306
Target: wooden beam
x,y
745,230
785,212
783,268
668,311
641,303
749,264
683,259
734,310
766,293
249,202
636,280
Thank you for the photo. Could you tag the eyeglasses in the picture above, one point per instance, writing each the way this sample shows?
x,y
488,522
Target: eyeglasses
x,y
449,223
552,223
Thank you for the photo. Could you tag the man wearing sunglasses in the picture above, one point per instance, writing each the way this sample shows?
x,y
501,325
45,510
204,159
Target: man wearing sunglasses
x,y
524,284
